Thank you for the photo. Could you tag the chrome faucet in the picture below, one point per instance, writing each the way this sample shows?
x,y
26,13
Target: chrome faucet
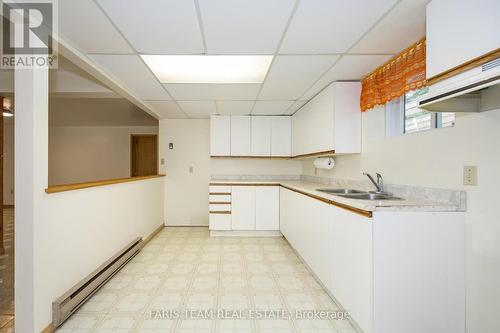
x,y
379,184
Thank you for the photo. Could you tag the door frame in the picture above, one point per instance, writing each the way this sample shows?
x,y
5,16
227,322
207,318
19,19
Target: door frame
x,y
132,136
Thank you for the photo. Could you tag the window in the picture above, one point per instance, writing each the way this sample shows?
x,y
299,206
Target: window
x,y
417,120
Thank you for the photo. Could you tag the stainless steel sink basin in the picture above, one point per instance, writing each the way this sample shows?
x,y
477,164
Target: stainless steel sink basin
x,y
340,191
371,196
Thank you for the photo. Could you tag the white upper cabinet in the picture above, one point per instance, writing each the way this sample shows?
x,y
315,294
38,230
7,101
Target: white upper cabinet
x,y
330,121
281,136
459,31
220,136
241,136
261,136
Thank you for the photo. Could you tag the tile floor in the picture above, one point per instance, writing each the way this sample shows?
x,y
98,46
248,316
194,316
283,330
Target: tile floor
x,y
7,275
184,268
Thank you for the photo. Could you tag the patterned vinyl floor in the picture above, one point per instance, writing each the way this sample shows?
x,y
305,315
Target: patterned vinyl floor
x,y
183,269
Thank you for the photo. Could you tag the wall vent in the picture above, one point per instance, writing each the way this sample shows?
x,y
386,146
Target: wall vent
x,y
67,304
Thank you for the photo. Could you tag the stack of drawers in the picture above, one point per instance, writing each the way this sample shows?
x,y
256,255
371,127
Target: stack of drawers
x,y
220,207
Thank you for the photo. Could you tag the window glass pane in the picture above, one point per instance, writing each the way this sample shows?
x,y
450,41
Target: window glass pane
x,y
416,119
446,119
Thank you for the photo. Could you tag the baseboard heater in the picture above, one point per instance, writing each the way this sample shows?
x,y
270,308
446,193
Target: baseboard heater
x,y
68,303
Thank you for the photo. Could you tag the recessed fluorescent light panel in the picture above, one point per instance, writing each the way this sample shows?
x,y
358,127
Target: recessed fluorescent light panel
x,y
208,68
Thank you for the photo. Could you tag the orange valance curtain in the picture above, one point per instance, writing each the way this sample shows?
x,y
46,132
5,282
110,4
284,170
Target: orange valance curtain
x,y
403,73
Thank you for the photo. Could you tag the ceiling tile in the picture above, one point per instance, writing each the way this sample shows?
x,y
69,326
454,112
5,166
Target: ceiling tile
x,y
244,27
294,107
131,71
409,18
271,107
349,67
213,91
157,26
166,109
290,76
99,37
198,109
331,26
238,108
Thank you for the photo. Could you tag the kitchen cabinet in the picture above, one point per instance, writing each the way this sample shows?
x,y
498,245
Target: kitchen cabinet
x,y
351,264
459,31
267,208
329,121
396,272
281,136
243,207
261,136
241,135
220,135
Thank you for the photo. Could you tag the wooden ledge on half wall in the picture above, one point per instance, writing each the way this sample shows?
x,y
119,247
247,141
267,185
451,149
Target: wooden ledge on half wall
x,y
78,186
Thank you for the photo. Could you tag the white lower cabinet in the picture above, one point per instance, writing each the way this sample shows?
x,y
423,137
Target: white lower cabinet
x,y
243,207
396,272
267,208
219,221
351,264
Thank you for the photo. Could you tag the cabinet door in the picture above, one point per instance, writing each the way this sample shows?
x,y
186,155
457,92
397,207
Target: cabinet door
x,y
281,136
352,265
220,136
347,118
243,207
267,208
240,136
261,136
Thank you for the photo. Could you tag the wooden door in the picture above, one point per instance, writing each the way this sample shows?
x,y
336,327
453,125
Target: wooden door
x,y
144,155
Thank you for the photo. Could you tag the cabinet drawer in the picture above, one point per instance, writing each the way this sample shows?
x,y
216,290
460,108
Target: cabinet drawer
x,y
220,207
220,222
219,189
219,198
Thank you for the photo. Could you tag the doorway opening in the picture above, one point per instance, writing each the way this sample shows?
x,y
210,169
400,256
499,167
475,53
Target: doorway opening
x,y
143,155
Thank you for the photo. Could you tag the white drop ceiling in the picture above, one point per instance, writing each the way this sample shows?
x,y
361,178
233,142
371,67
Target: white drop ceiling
x,y
314,42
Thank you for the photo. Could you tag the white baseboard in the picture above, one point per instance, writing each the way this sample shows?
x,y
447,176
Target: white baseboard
x,y
245,233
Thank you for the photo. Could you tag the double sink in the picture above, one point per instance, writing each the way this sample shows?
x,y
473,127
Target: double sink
x,y
362,195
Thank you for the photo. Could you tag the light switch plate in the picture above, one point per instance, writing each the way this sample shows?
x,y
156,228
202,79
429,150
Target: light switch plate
x,y
470,175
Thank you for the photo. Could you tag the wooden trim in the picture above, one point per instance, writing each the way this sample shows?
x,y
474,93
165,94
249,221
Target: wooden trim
x,y
316,154
359,211
219,203
48,329
153,234
8,206
220,193
78,186
259,157
243,184
220,212
132,136
464,67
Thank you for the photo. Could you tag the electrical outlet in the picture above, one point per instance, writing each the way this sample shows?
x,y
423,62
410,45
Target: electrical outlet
x,y
171,145
191,169
470,175
162,161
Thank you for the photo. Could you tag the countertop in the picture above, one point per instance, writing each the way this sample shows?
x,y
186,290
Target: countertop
x,y
310,188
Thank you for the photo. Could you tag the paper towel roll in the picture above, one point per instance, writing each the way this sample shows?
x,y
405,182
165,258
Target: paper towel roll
x,y
324,163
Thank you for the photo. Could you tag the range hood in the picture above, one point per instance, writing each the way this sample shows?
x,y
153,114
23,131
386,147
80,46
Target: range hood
x,y
475,90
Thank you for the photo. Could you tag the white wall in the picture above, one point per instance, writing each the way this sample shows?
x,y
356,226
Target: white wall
x,y
81,229
186,198
435,159
80,154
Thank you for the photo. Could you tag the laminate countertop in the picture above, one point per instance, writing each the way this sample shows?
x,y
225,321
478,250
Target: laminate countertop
x,y
419,200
